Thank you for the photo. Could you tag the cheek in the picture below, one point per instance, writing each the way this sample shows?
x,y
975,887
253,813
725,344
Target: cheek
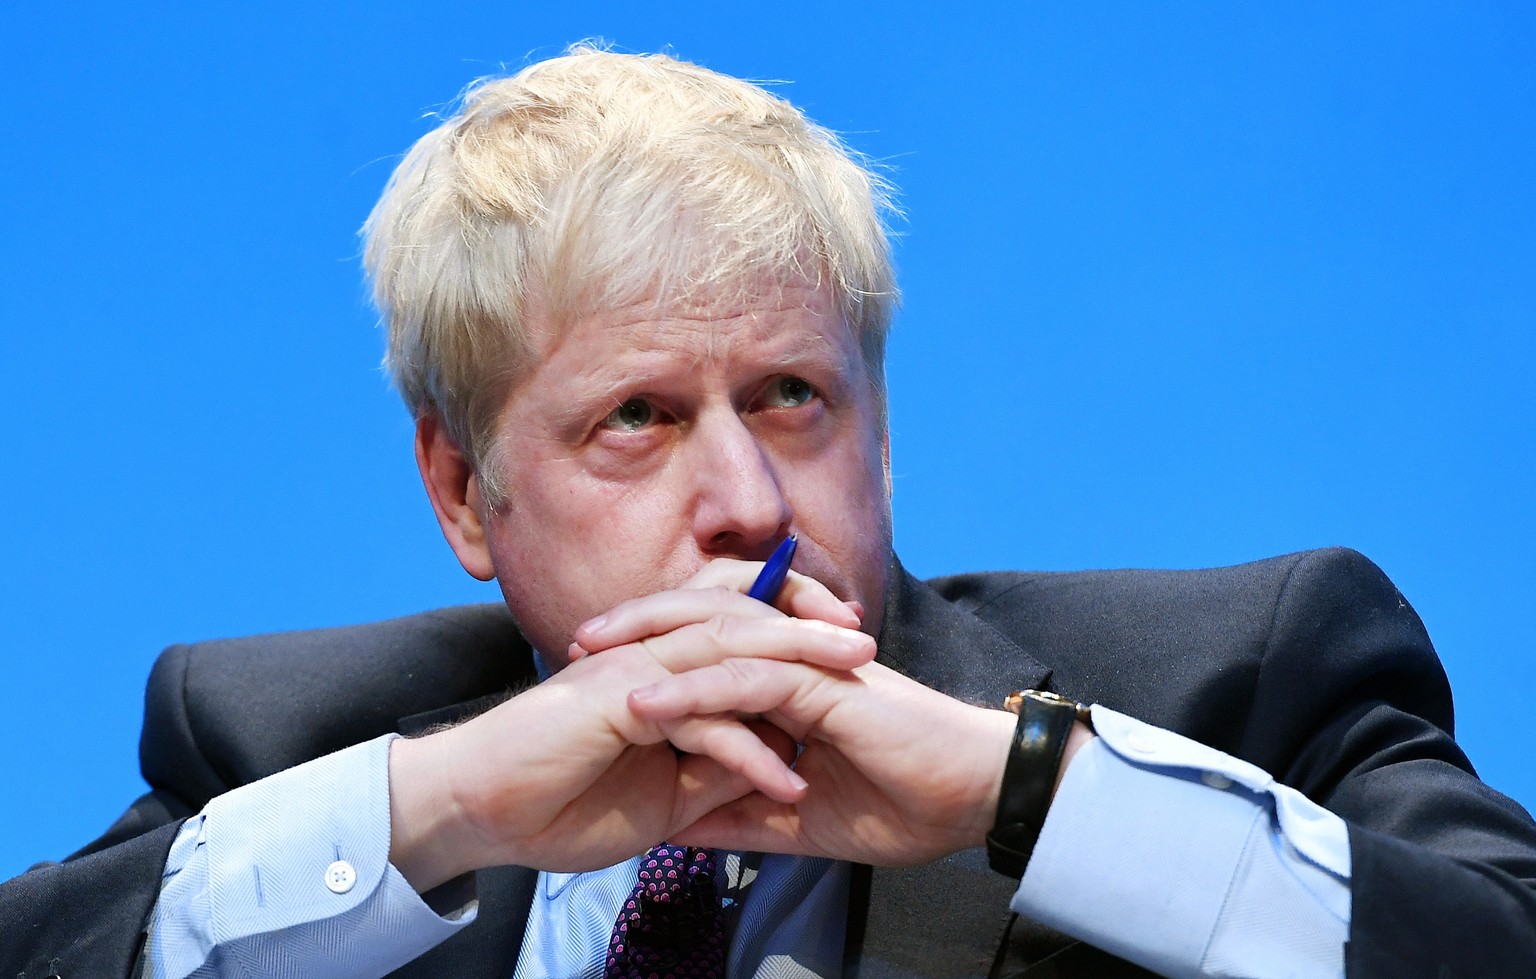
x,y
571,541
864,452
843,496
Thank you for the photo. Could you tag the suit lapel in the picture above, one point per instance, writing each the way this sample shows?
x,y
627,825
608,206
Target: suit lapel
x,y
927,638
949,917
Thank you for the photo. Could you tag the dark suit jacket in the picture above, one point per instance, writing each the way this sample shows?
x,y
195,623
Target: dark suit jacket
x,y
1311,666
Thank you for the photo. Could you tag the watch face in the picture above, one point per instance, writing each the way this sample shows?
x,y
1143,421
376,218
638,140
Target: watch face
x,y
1050,698
1015,700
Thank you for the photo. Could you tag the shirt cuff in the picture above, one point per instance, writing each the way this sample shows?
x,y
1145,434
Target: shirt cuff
x,y
290,876
1185,860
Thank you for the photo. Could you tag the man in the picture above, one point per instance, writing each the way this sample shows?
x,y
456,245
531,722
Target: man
x,y
638,310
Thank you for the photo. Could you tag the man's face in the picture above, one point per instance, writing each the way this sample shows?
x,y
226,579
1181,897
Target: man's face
x,y
648,440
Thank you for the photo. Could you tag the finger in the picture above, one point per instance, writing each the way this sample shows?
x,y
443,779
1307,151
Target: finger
x,y
726,572
806,598
739,686
720,585
662,612
788,640
801,595
774,737
741,751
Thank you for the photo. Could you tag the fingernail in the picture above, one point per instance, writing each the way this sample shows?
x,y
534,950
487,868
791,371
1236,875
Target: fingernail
x,y
595,625
855,641
799,783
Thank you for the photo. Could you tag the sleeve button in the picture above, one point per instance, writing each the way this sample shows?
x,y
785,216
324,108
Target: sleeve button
x,y
340,877
1216,780
1142,742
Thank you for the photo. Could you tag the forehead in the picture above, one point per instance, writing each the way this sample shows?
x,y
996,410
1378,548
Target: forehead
x,y
762,318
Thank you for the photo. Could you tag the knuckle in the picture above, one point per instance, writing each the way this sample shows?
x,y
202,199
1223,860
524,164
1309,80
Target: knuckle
x,y
653,650
743,673
720,629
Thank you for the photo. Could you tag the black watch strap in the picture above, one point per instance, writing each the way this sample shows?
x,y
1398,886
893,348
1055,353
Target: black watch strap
x,y
1029,778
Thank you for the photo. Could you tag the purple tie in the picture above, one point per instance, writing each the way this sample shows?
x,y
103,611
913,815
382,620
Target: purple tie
x,y
670,928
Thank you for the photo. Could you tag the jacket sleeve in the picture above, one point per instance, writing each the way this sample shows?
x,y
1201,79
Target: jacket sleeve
x,y
1443,867
87,915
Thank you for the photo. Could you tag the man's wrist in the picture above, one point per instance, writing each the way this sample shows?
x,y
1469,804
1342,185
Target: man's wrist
x,y
1048,724
429,840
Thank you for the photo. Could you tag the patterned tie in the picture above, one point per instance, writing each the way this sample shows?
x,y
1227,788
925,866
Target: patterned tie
x,y
670,928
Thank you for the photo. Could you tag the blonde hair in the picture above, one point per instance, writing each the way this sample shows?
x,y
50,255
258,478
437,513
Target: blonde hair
x,y
597,179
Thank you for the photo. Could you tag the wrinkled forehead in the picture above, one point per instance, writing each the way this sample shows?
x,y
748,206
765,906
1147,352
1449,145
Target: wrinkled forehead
x,y
687,352
719,310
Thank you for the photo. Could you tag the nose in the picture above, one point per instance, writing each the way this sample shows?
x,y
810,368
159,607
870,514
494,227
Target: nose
x,y
739,506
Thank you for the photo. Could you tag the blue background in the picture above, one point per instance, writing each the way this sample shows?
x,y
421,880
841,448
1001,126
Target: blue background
x,y
1186,284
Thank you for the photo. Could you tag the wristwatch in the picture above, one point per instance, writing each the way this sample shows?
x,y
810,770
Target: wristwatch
x,y
1029,777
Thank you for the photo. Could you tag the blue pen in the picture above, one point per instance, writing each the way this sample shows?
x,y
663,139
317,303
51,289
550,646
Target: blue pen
x,y
771,578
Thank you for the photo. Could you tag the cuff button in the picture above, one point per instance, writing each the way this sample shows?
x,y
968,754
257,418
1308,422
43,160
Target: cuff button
x,y
1142,742
340,877
1216,780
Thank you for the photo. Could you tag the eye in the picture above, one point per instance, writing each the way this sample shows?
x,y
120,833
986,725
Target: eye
x,y
788,392
631,416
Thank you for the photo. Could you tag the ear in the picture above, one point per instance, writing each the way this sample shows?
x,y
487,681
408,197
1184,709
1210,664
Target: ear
x,y
455,494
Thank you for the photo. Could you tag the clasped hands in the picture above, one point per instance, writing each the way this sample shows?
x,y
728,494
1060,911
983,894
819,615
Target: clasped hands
x,y
679,717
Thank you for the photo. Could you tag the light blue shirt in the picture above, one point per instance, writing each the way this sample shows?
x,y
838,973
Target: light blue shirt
x,y
792,911
1157,849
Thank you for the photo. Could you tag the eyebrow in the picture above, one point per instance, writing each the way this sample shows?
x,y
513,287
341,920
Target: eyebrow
x,y
605,384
